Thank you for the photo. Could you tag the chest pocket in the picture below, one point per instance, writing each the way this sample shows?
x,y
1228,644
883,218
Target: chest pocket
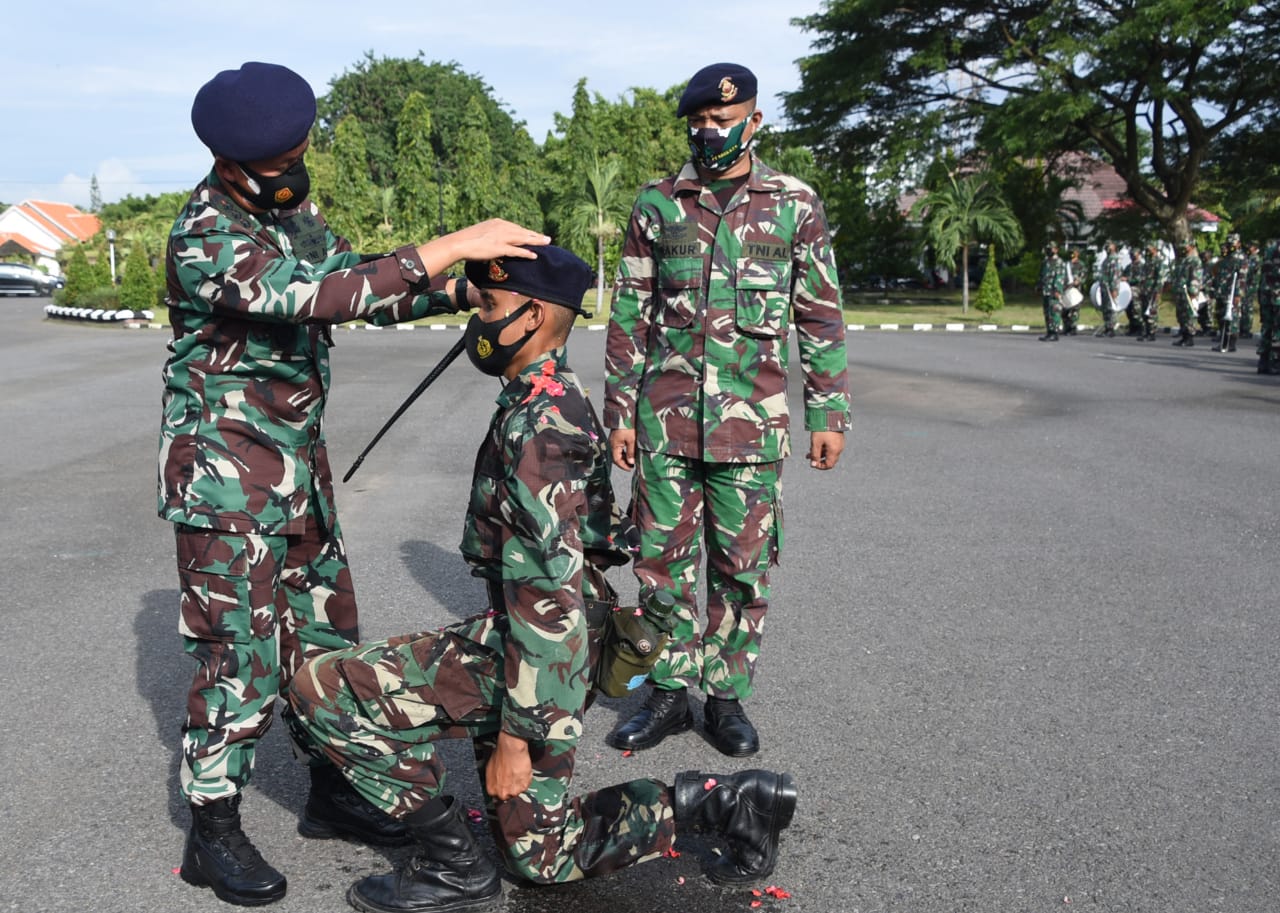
x,y
764,295
679,280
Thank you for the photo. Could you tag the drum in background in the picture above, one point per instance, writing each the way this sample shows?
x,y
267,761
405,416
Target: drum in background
x,y
1072,297
1124,294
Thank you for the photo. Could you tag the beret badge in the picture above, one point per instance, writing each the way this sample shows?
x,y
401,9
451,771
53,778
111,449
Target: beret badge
x,y
728,91
496,272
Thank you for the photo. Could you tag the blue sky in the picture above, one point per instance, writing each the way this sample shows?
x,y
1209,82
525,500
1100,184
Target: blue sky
x,y
105,89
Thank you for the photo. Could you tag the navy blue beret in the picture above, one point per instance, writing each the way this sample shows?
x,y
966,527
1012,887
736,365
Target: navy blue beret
x,y
253,113
557,276
717,84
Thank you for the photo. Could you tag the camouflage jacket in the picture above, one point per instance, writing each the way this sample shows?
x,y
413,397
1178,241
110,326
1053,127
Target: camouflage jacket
x,y
1233,277
250,301
703,305
1053,277
1188,276
1077,272
1110,274
1155,273
543,522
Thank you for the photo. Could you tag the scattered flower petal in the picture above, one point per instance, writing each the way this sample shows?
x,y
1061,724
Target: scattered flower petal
x,y
680,880
756,892
775,891
627,753
177,870
756,903
710,784
672,853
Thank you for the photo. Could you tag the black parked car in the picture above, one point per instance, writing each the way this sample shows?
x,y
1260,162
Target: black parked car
x,y
24,279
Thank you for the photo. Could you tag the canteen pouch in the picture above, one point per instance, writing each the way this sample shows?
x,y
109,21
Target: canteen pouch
x,y
629,648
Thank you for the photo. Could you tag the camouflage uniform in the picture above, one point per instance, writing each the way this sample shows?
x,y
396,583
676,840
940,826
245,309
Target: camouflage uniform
x,y
1110,276
1249,303
1053,282
1229,291
712,275
1077,272
243,470
1269,310
1149,286
1188,277
541,527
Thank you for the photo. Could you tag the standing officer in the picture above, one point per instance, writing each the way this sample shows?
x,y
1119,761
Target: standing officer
x,y
1052,284
1254,256
1077,279
255,278
1188,276
1269,309
1133,310
541,529
1231,286
1150,284
718,263
1109,276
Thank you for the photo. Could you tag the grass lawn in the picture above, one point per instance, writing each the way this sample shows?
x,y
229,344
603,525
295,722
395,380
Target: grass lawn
x,y
868,308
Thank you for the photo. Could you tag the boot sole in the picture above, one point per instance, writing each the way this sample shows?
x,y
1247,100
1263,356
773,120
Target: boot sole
x,y
199,880
357,900
784,810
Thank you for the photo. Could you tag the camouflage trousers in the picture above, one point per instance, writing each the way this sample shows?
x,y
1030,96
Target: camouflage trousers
x,y
1185,313
377,710
1220,319
253,609
1149,311
736,508
1269,327
1052,313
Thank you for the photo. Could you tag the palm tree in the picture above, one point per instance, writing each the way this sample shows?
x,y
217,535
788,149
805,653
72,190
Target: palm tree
x,y
963,212
595,211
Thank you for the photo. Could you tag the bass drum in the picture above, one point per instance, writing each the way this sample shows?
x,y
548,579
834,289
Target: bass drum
x,y
1072,297
1124,295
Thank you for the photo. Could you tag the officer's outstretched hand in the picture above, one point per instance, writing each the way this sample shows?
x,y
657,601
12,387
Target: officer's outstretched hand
x,y
482,241
825,448
509,770
622,447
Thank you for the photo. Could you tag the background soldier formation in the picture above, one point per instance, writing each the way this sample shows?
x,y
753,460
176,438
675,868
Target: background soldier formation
x,y
1217,300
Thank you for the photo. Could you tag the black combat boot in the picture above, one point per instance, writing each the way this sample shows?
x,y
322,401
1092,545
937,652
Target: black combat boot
x,y
1231,342
448,873
335,809
664,713
219,856
1049,336
730,730
749,809
1264,363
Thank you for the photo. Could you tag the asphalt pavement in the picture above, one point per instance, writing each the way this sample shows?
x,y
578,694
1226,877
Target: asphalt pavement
x,y
1023,654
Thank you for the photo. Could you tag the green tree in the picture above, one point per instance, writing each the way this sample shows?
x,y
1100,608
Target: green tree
x,y
95,195
961,212
354,210
417,195
474,176
597,215
81,281
1152,85
990,297
139,287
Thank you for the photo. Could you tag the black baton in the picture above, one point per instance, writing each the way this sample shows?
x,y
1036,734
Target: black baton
x,y
426,382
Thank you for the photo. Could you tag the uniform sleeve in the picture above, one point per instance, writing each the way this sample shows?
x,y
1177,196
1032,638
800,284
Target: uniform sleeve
x,y
627,339
221,265
547,649
819,323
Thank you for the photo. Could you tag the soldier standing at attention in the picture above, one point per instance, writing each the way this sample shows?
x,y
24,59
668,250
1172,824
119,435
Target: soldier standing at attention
x,y
1053,282
255,278
1109,277
1269,309
1078,279
1247,305
1188,277
1231,287
1154,275
541,529
719,262
1133,310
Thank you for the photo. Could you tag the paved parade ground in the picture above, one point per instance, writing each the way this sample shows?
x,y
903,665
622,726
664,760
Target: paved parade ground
x,y
1023,655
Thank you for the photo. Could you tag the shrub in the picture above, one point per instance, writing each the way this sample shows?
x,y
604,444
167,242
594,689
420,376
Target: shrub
x,y
990,297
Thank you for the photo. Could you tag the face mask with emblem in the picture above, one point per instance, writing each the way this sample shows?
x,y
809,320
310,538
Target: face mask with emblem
x,y
717,148
483,348
281,191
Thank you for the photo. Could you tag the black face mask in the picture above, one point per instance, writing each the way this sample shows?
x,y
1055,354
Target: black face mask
x,y
281,191
483,348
